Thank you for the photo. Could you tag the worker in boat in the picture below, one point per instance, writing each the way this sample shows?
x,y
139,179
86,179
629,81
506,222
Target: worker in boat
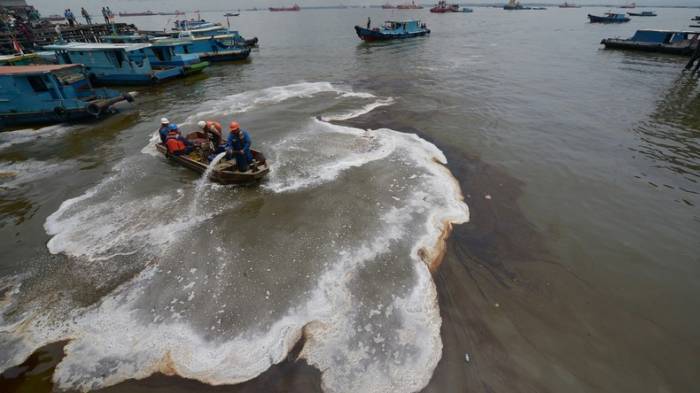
x,y
369,22
214,133
164,128
177,144
238,147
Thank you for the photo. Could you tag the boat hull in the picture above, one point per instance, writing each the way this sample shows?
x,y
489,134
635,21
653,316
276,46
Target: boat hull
x,y
226,55
606,19
373,35
614,43
222,176
639,14
95,110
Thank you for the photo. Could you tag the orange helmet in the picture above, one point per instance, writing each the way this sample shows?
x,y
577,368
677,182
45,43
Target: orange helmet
x,y
234,126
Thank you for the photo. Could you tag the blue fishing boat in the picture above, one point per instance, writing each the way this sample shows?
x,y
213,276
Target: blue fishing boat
x,y
219,32
173,54
393,30
219,46
662,41
117,64
467,10
34,94
610,17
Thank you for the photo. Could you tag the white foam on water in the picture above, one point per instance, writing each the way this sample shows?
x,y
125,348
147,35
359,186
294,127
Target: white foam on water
x,y
16,174
327,169
202,182
113,340
359,112
243,102
11,138
103,223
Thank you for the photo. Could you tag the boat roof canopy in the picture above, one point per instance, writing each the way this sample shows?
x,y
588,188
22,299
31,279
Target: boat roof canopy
x,y
670,31
89,46
18,57
403,21
35,69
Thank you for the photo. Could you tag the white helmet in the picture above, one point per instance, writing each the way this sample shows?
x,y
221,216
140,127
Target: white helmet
x,y
164,120
202,123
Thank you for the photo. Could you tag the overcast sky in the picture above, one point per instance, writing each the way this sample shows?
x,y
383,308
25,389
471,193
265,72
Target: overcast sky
x,y
190,5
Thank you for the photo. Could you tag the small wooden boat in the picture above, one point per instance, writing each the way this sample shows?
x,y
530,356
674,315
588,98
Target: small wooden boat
x,y
609,17
393,30
225,171
643,13
231,14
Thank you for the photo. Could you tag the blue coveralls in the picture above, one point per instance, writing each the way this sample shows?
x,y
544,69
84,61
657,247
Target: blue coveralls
x,y
234,144
163,132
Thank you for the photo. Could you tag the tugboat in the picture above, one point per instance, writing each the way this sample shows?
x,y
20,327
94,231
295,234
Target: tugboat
x,y
643,13
35,94
393,30
442,8
661,41
609,17
224,172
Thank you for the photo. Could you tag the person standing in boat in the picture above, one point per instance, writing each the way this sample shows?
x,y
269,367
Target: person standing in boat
x,y
68,14
105,15
177,144
238,146
85,14
369,22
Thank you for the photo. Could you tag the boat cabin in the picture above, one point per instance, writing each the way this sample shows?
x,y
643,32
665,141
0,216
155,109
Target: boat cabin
x,y
173,53
407,26
115,63
50,93
665,36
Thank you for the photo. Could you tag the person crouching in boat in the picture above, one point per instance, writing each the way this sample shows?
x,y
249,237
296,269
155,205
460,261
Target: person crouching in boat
x,y
163,130
238,146
213,132
177,144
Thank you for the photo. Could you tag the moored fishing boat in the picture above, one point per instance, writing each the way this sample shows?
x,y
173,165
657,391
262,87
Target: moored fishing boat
x,y
609,17
662,41
36,94
173,54
442,8
643,13
116,64
225,171
392,30
214,48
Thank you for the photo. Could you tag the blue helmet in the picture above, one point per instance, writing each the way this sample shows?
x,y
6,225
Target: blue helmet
x,y
172,126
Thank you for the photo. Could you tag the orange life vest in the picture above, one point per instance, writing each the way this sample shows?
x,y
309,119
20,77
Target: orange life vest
x,y
174,144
